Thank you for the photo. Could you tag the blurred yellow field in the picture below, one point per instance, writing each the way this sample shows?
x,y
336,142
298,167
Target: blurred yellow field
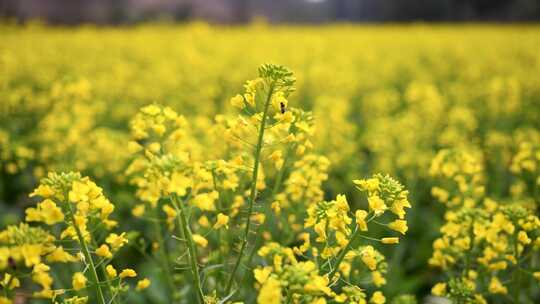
x,y
297,186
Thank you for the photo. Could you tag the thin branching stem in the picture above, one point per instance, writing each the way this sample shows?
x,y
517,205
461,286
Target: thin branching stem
x,y
275,190
164,261
87,257
343,252
183,222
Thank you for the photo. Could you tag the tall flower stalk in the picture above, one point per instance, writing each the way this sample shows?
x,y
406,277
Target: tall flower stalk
x,y
253,191
273,79
192,250
88,258
73,211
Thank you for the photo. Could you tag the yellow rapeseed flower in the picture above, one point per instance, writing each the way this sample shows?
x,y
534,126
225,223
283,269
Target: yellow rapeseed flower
x,y
495,286
104,251
439,289
111,271
78,281
127,273
377,298
399,226
376,204
221,221
390,240
200,240
143,284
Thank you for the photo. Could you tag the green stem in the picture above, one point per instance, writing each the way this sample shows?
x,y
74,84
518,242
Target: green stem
x,y
88,257
516,273
263,227
253,193
164,257
289,298
343,252
6,286
104,274
182,221
219,235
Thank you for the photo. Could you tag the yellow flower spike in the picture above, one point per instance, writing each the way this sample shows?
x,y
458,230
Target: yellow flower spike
x,y
275,156
179,184
238,101
4,300
523,238
127,273
368,258
370,185
378,278
83,207
390,240
111,271
399,226
319,301
152,110
377,298
46,211
262,274
160,129
78,281
33,215
171,215
361,219
206,201
341,239
116,241
250,99
501,265
439,289
398,207
270,292
318,283
290,138
320,229
44,191
259,218
440,194
200,240
300,150
495,286
279,102
139,210
276,206
154,147
104,251
31,254
40,268
221,221
203,221
60,255
10,282
79,192
377,205
143,284
134,147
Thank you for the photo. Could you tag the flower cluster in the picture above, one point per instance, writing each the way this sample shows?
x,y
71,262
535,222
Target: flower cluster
x,y
76,229
461,175
333,253
485,244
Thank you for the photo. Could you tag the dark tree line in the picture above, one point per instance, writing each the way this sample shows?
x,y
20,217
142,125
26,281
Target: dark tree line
x,y
241,11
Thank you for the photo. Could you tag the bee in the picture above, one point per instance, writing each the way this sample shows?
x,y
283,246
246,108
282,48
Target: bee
x,y
282,107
